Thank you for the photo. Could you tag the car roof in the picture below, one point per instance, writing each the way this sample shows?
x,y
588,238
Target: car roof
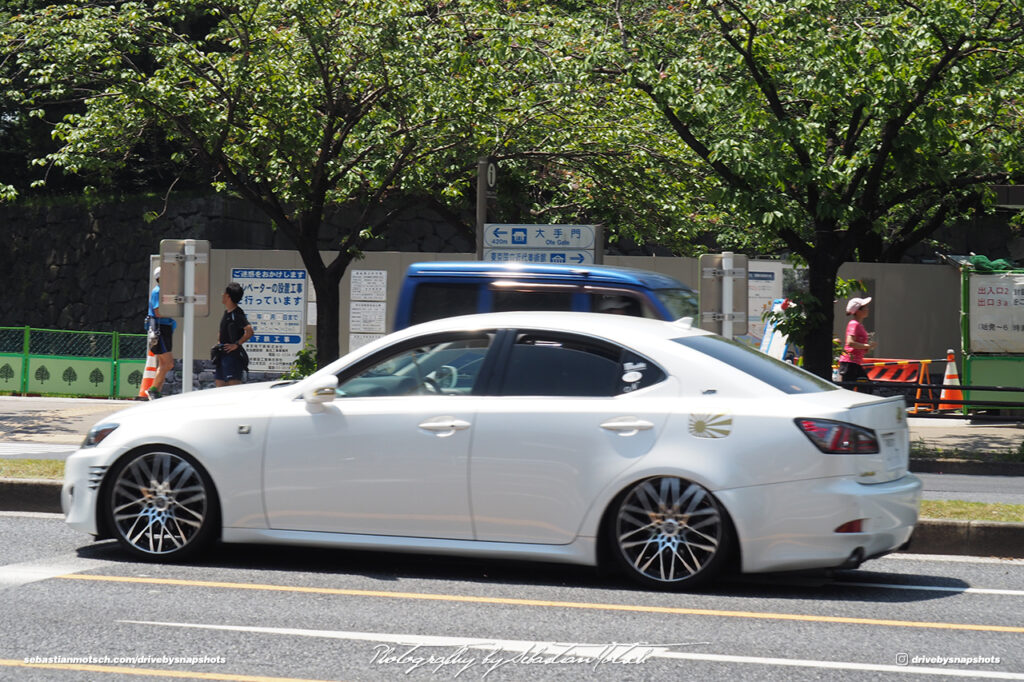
x,y
602,274
597,324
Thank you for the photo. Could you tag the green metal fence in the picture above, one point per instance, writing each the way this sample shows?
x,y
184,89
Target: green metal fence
x,y
53,362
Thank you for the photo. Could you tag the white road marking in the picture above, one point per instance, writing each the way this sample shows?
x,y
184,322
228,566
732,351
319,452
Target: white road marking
x,y
32,515
934,588
14,575
954,558
16,449
550,649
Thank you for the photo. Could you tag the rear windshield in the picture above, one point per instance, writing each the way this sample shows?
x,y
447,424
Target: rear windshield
x,y
776,373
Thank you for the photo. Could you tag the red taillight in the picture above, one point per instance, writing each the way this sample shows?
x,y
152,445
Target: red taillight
x,y
839,438
855,526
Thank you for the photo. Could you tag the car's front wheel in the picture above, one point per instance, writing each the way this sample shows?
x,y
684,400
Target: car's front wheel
x,y
669,533
160,504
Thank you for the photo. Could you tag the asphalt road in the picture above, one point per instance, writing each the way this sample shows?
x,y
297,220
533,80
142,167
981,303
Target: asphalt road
x,y
972,488
75,610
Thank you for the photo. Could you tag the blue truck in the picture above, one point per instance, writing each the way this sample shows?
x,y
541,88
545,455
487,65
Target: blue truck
x,y
433,290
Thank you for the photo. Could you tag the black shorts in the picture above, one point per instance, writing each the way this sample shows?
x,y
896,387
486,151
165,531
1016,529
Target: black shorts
x,y
164,344
229,367
852,371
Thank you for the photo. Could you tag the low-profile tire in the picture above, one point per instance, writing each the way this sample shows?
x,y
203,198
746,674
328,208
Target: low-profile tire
x,y
669,533
161,505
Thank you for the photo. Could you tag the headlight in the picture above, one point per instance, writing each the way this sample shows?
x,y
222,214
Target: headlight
x,y
97,434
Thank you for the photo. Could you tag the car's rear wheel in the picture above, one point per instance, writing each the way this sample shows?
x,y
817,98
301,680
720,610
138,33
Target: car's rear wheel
x,y
670,533
161,505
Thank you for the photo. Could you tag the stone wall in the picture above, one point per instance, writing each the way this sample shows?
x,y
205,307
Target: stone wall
x,y
85,266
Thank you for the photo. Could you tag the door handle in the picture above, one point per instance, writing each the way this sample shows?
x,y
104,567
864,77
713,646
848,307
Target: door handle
x,y
444,426
627,426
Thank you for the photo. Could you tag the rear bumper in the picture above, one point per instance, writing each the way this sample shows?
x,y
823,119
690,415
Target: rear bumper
x,y
791,526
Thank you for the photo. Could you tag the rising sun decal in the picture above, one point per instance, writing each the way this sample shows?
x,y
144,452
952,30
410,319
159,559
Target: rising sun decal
x,y
710,425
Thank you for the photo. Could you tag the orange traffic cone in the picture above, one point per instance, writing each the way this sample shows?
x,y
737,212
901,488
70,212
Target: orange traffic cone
x,y
951,379
148,375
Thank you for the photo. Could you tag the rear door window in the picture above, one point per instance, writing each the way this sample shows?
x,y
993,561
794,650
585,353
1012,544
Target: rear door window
x,y
505,300
546,364
433,301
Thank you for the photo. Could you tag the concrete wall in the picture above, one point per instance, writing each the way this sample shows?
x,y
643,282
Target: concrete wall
x,y
915,309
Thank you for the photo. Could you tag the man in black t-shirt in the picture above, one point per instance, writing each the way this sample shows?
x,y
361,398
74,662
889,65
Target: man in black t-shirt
x,y
234,331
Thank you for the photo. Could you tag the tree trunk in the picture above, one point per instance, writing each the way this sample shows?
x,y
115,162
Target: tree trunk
x,y
328,315
821,274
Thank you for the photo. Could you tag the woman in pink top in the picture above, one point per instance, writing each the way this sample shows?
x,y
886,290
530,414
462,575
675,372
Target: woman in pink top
x,y
857,341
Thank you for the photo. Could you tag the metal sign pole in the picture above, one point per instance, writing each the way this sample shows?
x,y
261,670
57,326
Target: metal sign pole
x,y
727,284
189,314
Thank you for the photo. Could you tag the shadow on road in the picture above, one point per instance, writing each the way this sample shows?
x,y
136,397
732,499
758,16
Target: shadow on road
x,y
391,568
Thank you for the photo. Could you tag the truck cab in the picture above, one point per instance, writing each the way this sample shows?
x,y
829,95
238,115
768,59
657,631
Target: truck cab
x,y
433,290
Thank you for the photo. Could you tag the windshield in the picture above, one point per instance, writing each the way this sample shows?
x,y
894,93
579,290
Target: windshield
x,y
680,302
781,375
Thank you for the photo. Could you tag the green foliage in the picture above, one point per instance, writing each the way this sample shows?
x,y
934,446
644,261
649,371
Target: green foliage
x,y
832,130
309,108
304,365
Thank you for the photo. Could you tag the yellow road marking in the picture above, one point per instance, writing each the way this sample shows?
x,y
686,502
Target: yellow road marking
x,y
551,604
150,672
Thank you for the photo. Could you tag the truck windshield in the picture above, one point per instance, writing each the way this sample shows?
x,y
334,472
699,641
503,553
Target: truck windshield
x,y
680,302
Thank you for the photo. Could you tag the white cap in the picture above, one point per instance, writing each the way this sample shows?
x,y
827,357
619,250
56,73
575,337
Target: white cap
x,y
156,273
856,304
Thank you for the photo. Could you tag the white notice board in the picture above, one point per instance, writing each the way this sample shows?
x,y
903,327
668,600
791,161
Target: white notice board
x,y
274,300
369,285
368,308
996,312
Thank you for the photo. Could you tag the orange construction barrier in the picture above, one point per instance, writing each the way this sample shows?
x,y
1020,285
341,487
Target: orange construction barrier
x,y
903,372
148,375
951,379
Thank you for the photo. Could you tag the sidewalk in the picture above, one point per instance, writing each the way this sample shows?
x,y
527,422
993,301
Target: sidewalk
x,y
65,421
59,421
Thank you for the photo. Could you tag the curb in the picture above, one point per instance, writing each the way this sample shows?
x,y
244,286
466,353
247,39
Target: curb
x,y
976,538
30,495
966,466
931,536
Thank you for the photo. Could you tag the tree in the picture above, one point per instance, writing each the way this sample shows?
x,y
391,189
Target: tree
x,y
300,107
6,372
42,374
70,375
831,129
96,377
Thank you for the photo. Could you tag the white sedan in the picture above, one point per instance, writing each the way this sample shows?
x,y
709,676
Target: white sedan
x,y
664,450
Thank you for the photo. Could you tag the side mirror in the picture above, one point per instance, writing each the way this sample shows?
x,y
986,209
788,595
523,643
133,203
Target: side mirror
x,y
323,391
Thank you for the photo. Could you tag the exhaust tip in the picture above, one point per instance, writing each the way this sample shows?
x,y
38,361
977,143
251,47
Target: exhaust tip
x,y
855,559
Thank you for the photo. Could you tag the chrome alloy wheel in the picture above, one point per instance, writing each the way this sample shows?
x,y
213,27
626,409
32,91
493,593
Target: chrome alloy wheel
x,y
670,532
159,504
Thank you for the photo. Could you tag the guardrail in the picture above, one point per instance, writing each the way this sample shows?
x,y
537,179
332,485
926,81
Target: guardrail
x,y
921,406
71,363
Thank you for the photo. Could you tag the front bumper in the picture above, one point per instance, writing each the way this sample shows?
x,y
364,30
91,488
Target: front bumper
x,y
79,496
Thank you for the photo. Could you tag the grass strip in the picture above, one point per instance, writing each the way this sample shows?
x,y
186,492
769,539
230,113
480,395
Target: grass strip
x,y
958,510
32,468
